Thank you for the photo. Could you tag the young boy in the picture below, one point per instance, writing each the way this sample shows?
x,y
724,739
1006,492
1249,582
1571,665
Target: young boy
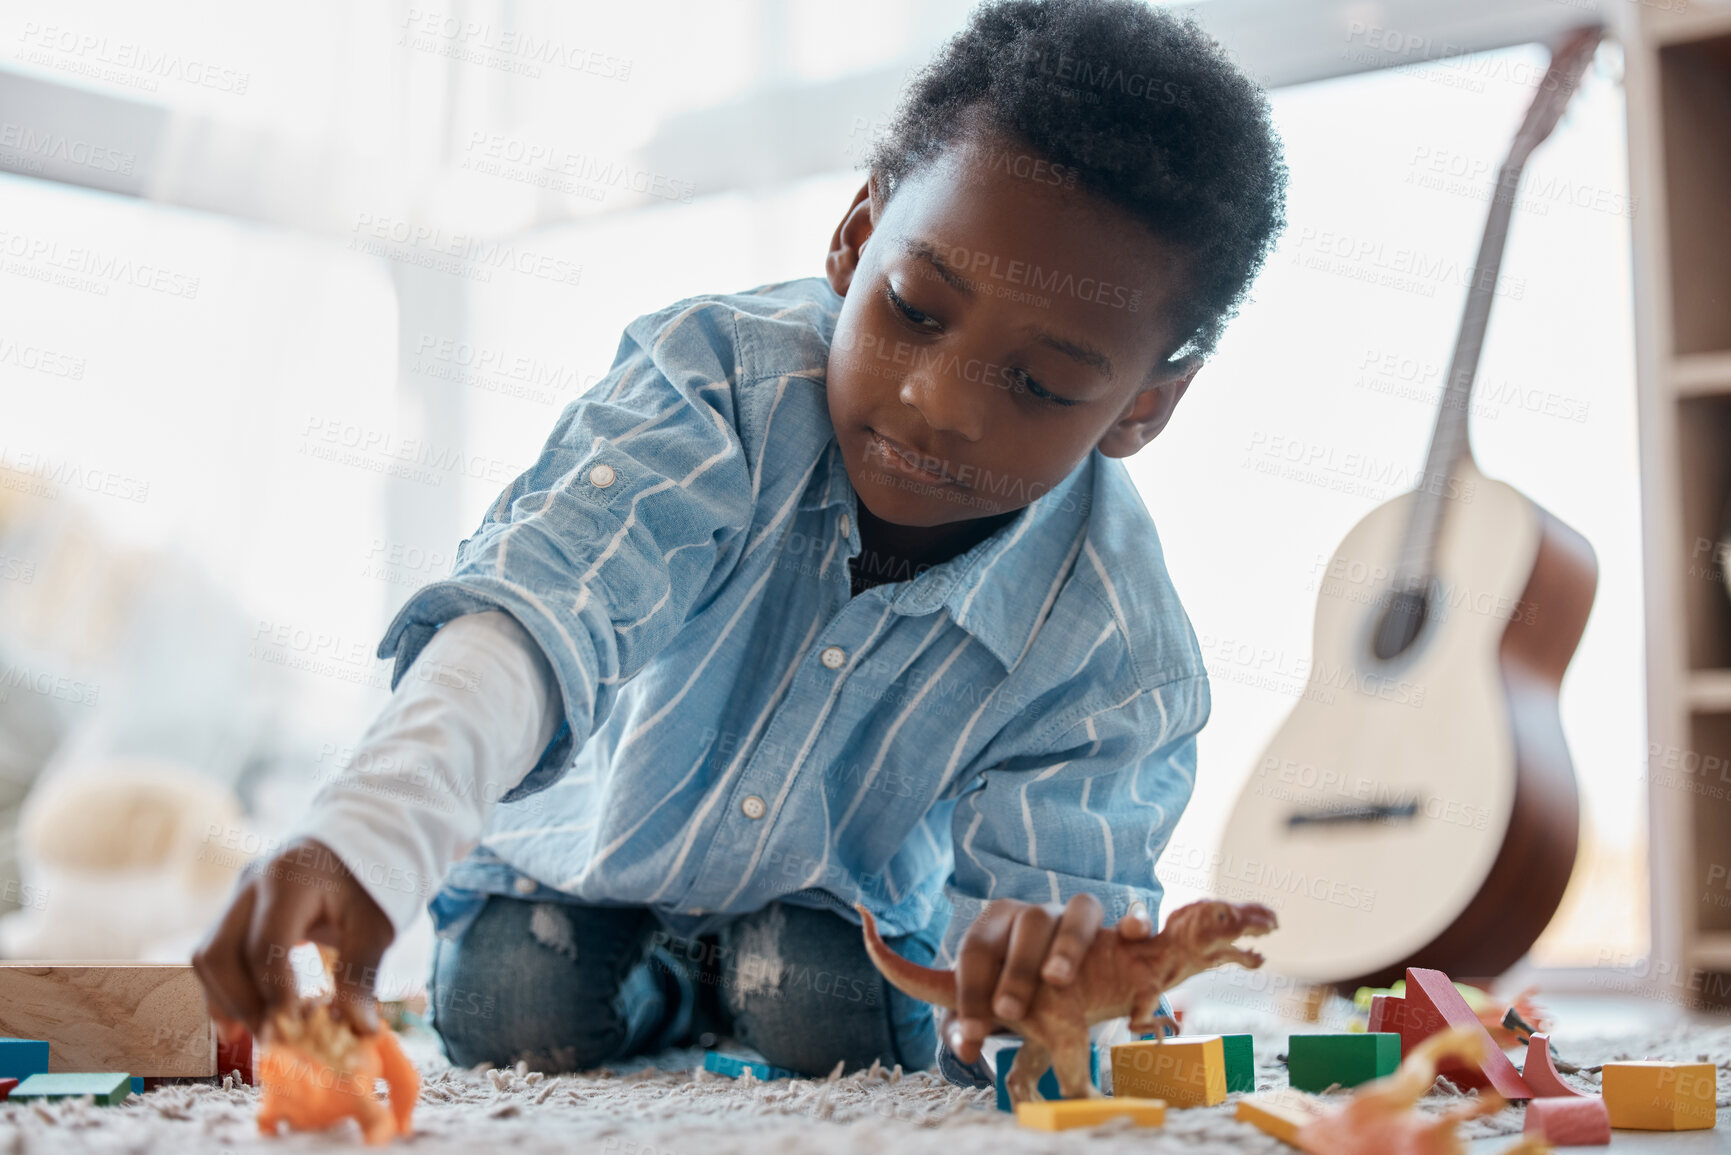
x,y
834,590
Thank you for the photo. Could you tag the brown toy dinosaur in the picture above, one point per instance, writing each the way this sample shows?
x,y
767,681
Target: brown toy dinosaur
x,y
1116,978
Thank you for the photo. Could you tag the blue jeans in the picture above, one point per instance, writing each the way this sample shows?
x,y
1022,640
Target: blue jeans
x,y
568,987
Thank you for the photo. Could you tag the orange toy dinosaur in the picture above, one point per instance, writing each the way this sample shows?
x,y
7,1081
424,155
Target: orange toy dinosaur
x,y
1379,1119
1116,978
314,1072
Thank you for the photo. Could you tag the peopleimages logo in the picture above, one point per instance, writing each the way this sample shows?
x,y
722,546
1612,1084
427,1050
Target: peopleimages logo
x,y
976,263
455,252
506,49
127,62
31,148
37,256
1082,75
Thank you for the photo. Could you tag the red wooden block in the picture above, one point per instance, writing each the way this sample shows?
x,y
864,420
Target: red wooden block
x,y
1578,1122
234,1056
1540,1075
6,1086
1432,1003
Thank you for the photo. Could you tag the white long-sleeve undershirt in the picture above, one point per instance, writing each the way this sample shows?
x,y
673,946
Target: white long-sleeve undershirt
x,y
467,722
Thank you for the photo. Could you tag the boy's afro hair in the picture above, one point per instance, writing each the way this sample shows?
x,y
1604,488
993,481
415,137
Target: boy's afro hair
x,y
1146,108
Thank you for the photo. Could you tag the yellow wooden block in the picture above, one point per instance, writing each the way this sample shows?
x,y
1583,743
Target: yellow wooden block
x,y
1063,1114
1185,1070
1278,1113
1658,1096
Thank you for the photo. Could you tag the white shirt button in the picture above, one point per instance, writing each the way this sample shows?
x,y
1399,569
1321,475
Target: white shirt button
x,y
753,807
601,476
524,885
834,657
844,524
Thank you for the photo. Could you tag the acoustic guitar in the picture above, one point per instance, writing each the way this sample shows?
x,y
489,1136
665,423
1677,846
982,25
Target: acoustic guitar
x,y
1418,806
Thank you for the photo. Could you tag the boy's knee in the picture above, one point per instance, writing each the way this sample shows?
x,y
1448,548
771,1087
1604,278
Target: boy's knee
x,y
514,989
800,989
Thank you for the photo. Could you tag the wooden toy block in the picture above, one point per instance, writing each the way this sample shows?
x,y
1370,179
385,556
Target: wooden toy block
x,y
1278,1113
736,1065
1185,1070
144,1017
1652,1095
109,1089
1064,1114
1433,1003
6,1086
1317,1062
1574,1122
138,1084
21,1058
1048,1082
1240,1051
1541,1074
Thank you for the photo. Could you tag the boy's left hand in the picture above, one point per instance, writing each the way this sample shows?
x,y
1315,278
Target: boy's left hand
x,y
1010,948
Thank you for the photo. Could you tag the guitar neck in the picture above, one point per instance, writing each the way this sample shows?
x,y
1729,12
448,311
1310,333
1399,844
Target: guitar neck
x,y
1416,561
1449,438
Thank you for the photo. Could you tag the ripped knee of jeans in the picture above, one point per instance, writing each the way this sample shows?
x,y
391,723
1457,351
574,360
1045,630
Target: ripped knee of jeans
x,y
550,925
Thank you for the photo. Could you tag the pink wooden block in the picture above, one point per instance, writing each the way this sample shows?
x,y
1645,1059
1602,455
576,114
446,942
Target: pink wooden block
x,y
1578,1122
1541,1075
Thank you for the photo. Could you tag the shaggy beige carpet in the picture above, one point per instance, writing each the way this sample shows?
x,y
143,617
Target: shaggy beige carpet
x,y
667,1105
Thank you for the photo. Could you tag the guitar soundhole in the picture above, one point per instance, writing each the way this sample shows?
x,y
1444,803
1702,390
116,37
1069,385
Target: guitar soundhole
x,y
1400,624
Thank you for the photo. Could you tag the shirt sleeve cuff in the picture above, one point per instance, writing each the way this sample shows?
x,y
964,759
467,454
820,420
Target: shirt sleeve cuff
x,y
399,877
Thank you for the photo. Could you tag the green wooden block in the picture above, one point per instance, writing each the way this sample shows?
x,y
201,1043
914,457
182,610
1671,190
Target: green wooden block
x,y
109,1088
1240,1063
1314,1062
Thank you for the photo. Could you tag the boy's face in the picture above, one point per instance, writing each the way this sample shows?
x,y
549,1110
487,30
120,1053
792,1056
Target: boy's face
x,y
990,286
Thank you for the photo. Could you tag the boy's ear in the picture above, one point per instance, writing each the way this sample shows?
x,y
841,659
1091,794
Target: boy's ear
x,y
847,245
1152,408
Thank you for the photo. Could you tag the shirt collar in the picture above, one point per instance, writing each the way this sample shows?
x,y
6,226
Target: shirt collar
x,y
1001,590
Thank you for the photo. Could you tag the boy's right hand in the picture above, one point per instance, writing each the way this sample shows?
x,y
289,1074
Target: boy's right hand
x,y
303,894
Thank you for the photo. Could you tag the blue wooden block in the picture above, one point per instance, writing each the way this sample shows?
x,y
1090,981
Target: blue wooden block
x,y
138,1084
21,1058
1048,1081
734,1066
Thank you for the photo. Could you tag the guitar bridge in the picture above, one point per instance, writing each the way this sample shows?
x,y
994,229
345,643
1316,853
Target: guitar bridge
x,y
1339,815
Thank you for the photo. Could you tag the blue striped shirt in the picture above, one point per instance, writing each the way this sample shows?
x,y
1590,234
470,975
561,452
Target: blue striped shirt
x,y
1018,721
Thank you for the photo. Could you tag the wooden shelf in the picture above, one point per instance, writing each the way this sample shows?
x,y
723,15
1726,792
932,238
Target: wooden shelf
x,y
1682,24
1700,375
1703,461
1710,691
1695,98
1712,952
1677,71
